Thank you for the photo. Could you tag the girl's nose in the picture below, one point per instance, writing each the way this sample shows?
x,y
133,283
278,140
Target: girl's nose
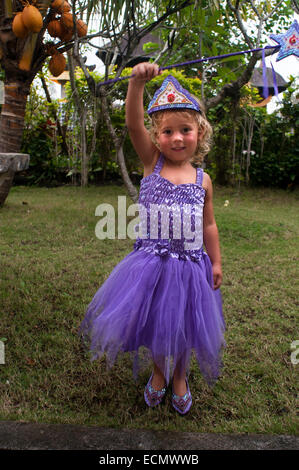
x,y
177,136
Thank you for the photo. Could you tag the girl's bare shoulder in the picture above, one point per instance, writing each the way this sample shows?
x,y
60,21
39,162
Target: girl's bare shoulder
x,y
206,182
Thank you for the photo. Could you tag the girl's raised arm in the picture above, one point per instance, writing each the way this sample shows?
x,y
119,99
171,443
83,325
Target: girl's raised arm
x,y
139,135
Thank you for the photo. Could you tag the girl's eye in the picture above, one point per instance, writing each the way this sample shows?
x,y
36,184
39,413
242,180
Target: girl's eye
x,y
186,129
167,132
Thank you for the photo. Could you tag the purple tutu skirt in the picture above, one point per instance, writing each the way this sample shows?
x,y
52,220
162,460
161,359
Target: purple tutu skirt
x,y
160,309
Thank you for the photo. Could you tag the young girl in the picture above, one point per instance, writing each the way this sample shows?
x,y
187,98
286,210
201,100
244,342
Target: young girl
x,y
163,298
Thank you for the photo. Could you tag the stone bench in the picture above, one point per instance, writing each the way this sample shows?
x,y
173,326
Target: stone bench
x,y
10,163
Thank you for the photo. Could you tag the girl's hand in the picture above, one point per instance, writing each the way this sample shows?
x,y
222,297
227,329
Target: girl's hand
x,y
217,276
145,71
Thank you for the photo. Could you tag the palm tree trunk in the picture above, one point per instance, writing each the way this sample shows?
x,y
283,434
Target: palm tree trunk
x,y
12,117
11,129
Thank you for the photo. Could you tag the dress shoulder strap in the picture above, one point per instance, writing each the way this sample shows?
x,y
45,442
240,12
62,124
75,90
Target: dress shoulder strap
x,y
159,164
199,177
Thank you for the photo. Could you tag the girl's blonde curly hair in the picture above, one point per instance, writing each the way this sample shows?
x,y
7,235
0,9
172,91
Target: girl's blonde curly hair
x,y
204,128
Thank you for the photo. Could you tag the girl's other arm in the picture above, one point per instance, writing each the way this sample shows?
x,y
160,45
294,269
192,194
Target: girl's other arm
x,y
139,135
210,234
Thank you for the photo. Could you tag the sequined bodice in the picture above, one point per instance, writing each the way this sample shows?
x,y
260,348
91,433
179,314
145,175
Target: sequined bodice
x,y
171,216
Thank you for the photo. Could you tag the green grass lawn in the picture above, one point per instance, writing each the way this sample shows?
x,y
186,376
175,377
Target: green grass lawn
x,y
51,264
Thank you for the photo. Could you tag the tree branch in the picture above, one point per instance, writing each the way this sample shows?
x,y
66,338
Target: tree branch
x,y
233,89
295,6
274,9
236,12
259,32
167,45
255,9
134,38
60,131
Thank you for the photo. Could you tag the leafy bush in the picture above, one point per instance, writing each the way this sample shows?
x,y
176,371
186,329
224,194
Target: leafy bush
x,y
41,142
276,145
273,162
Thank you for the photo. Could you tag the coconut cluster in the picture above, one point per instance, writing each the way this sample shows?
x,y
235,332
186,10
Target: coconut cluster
x,y
57,63
61,26
29,20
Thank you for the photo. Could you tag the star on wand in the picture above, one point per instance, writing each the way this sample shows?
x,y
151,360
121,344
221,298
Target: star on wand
x,y
289,42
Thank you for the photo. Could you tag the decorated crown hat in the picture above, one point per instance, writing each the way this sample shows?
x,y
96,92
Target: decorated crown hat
x,y
171,95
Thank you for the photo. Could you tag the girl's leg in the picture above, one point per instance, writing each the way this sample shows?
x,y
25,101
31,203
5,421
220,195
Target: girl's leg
x,y
156,388
158,380
181,396
179,381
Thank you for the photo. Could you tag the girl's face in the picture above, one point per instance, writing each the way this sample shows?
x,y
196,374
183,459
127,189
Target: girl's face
x,y
178,136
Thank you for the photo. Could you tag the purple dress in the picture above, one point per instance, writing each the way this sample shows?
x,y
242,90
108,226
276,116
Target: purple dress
x,y
158,303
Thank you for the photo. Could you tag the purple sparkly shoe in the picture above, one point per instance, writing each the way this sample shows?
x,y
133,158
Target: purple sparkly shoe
x,y
182,404
153,397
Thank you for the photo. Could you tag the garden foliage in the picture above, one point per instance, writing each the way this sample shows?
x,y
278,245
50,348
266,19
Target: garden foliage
x,y
273,151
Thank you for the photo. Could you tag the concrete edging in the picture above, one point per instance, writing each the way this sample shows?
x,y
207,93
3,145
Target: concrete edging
x,y
15,435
